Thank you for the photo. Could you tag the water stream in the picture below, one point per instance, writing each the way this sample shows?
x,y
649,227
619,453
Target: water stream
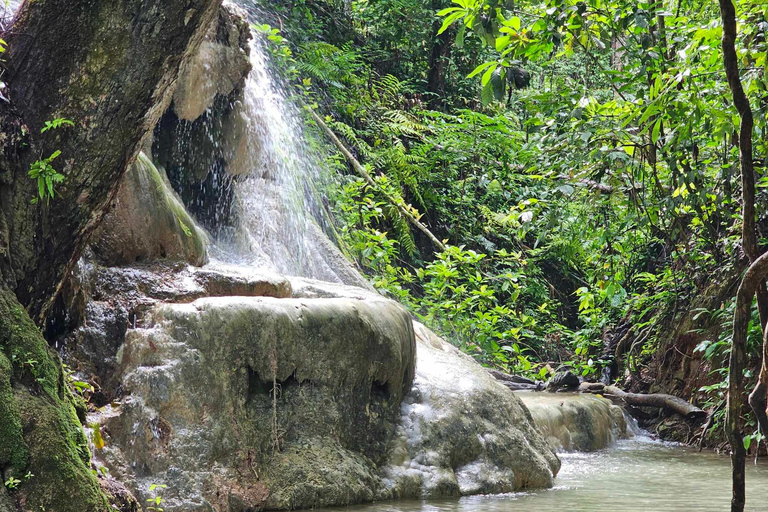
x,y
635,475
275,215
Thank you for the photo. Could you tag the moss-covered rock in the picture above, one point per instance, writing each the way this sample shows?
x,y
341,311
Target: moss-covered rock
x,y
42,442
147,222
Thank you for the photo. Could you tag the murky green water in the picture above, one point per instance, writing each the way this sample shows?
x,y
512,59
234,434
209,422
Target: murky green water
x,y
632,476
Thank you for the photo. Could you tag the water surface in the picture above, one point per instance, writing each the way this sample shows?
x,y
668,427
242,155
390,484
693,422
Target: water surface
x,y
632,476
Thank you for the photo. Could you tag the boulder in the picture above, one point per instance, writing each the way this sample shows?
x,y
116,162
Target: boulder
x,y
561,381
219,67
298,395
147,222
461,432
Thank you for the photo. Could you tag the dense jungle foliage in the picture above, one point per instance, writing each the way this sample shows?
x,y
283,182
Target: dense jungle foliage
x,y
580,160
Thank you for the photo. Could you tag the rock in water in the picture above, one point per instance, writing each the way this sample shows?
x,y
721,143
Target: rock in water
x,y
563,381
296,397
576,422
462,432
353,418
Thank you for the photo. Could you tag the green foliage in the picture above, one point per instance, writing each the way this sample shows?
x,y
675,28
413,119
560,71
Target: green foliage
x,y
157,500
42,170
47,177
608,188
56,124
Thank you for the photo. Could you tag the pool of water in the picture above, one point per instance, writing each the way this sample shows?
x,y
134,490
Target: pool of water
x,y
635,475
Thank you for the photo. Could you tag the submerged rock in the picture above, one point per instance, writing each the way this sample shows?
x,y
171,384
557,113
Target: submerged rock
x,y
148,222
461,432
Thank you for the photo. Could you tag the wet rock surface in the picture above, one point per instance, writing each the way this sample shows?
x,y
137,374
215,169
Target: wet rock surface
x,y
147,222
574,421
461,432
297,395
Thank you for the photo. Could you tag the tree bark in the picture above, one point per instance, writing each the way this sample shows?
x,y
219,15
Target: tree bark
x,y
112,77
669,402
749,243
438,65
755,275
110,68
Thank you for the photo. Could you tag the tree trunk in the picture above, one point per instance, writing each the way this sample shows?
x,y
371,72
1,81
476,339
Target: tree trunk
x,y
755,275
438,66
669,402
111,77
110,68
749,243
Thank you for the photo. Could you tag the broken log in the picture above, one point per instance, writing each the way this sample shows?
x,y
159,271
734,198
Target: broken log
x,y
516,382
506,377
660,400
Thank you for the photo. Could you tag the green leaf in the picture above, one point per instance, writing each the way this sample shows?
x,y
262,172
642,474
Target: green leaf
x,y
449,21
488,74
656,131
479,69
460,36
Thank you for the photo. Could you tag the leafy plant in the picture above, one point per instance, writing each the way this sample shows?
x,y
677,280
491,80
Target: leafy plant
x,y
42,169
12,483
47,177
56,124
157,500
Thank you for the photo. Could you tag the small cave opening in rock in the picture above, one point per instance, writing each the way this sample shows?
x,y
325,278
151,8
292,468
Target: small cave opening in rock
x,y
380,391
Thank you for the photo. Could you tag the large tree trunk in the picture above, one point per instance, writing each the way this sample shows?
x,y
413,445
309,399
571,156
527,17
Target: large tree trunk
x,y
755,273
111,76
109,67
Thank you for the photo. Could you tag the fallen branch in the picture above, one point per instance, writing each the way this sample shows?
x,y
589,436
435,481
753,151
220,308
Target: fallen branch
x,y
659,400
506,377
516,382
367,177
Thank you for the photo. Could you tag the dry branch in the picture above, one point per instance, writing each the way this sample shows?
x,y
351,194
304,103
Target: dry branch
x,y
663,401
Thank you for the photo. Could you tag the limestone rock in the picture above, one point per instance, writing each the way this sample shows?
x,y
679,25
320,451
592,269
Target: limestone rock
x,y
202,409
574,421
219,67
461,432
148,222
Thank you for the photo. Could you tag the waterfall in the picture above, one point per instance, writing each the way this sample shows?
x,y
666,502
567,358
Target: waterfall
x,y
277,205
273,209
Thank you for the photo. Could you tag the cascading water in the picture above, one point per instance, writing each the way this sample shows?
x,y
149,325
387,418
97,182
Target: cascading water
x,y
276,207
272,207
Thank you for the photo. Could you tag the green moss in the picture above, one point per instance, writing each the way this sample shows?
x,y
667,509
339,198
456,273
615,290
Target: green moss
x,y
58,458
25,348
192,238
13,450
39,428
